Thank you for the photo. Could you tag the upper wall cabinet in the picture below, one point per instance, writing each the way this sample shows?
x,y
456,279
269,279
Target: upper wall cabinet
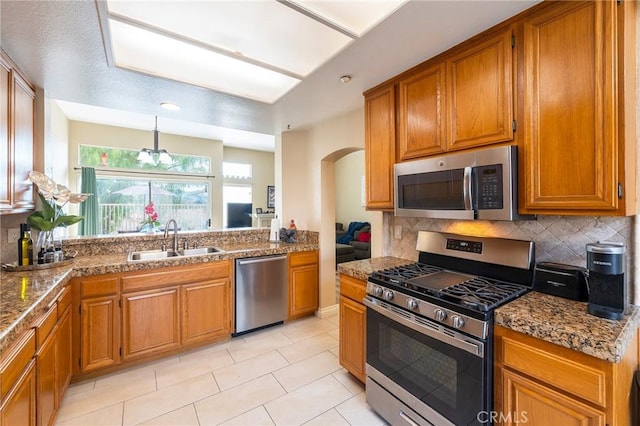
x,y
17,107
421,115
379,147
480,93
575,77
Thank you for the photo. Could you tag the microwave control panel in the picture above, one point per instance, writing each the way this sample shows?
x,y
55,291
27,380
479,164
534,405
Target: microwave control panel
x,y
489,187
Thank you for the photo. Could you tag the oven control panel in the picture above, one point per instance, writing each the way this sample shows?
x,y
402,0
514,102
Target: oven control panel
x,y
464,245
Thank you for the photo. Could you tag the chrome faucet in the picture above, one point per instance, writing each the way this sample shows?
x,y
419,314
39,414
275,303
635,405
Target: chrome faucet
x,y
175,233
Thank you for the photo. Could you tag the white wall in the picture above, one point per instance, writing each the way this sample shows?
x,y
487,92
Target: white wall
x,y
307,177
349,172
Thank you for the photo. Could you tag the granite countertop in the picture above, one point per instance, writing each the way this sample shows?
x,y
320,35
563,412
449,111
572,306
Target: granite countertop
x,y
361,269
25,295
567,323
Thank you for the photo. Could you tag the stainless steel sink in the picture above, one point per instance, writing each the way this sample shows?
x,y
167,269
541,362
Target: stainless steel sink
x,y
199,251
151,255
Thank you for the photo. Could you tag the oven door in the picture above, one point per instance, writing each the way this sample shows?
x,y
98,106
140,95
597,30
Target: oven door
x,y
436,372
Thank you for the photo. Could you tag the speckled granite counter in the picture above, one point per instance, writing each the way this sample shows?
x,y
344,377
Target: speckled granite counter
x,y
25,295
567,323
361,269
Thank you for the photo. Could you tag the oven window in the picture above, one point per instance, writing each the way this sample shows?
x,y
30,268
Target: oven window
x,y
447,379
432,191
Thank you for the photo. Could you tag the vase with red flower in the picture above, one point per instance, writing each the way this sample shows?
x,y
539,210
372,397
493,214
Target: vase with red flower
x,y
150,224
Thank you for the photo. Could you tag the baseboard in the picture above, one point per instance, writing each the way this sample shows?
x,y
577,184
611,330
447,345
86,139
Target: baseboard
x,y
328,311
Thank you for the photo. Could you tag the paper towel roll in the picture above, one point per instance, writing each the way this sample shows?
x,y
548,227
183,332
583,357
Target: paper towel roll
x,y
274,233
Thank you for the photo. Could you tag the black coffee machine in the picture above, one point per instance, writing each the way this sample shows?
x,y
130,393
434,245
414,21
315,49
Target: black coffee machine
x,y
607,286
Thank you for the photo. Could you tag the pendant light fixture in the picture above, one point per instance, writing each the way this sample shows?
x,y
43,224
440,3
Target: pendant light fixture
x,y
145,155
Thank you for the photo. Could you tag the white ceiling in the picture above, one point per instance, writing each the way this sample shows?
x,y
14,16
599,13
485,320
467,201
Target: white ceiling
x,y
59,45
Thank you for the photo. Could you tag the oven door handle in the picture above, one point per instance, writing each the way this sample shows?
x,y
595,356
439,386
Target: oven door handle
x,y
475,348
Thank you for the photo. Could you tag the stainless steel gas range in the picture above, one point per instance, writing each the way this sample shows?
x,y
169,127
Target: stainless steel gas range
x,y
430,328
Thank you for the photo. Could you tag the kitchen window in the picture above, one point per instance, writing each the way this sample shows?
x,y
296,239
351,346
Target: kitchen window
x,y
178,191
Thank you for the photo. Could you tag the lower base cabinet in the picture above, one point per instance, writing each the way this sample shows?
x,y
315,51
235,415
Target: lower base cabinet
x,y
353,319
200,323
19,406
303,284
539,383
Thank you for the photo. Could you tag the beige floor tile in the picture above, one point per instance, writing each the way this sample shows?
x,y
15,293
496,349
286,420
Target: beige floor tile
x,y
334,319
308,328
231,403
130,374
192,367
354,385
308,347
307,402
207,350
307,370
110,416
248,370
271,332
84,386
256,417
358,413
258,346
336,352
167,399
185,416
335,334
328,418
105,396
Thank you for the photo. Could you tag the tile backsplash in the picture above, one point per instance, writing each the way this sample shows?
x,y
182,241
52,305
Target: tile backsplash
x,y
557,238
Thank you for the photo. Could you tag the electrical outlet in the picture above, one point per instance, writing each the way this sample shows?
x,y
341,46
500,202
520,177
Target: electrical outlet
x,y
397,232
13,235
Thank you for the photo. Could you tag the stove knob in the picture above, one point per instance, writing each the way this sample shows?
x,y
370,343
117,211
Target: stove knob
x,y
458,322
388,294
440,314
377,291
412,304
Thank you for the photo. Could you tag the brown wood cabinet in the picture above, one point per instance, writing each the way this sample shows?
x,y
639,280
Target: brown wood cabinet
x,y
353,320
422,113
99,320
132,316
46,402
541,383
379,147
18,382
576,71
150,322
479,92
17,112
303,283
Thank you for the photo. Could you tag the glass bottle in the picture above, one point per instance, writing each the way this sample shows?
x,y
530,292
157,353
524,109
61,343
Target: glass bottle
x,y
25,246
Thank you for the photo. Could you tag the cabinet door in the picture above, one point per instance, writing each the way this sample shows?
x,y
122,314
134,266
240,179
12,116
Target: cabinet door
x,y
46,381
526,401
570,137
379,147
303,290
421,114
19,407
150,322
63,354
5,169
100,332
352,337
480,93
23,133
205,311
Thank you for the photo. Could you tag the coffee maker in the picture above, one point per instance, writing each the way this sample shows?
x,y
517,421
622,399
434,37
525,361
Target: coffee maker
x,y
607,286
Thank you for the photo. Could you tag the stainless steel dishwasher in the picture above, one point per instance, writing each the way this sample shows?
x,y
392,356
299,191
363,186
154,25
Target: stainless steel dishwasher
x,y
260,292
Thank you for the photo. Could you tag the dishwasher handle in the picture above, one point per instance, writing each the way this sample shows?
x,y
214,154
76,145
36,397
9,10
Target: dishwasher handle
x,y
260,259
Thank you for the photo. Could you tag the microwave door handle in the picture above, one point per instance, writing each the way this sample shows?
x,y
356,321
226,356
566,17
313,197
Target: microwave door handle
x,y
466,182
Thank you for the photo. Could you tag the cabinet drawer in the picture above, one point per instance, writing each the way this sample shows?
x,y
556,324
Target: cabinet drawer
x,y
577,378
45,324
137,281
15,360
303,258
64,300
98,286
352,288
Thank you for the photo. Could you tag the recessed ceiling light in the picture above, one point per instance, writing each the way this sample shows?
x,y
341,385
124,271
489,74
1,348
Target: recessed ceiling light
x,y
169,106
345,78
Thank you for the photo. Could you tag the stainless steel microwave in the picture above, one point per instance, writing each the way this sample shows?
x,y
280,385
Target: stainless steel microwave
x,y
472,185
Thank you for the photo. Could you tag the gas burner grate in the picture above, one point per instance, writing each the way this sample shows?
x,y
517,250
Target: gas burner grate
x,y
482,295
